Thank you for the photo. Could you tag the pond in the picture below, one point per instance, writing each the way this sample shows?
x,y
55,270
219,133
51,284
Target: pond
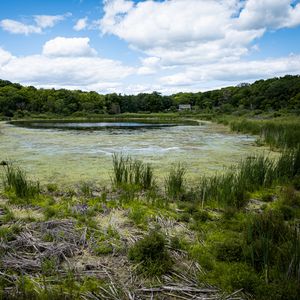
x,y
52,154
92,125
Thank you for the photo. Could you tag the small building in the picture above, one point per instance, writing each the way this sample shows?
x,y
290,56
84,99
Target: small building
x,y
184,107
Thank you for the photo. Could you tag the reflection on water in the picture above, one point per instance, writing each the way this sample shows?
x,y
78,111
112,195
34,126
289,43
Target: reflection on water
x,y
93,125
72,156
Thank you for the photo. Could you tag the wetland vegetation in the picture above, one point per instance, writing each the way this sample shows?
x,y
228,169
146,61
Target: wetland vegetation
x,y
159,225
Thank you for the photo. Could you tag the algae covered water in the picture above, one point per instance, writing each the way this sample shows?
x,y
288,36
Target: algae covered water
x,y
70,156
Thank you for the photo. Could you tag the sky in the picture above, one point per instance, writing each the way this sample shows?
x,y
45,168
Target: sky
x,y
137,46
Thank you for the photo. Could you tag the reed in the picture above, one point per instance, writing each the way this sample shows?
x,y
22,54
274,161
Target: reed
x,y
271,244
175,182
275,133
15,179
252,173
127,170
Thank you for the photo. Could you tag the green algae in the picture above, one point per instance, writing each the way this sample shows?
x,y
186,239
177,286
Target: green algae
x,y
68,157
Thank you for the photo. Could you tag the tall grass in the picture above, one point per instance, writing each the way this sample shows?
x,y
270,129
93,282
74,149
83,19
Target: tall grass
x,y
15,179
127,170
175,181
275,133
272,244
252,173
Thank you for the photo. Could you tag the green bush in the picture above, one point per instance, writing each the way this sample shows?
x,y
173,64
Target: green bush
x,y
230,250
152,255
232,277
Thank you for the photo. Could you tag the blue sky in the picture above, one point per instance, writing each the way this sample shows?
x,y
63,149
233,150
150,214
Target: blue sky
x,y
128,46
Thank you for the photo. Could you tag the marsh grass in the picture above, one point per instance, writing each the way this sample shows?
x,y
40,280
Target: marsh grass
x,y
175,182
127,170
275,133
15,179
273,245
252,173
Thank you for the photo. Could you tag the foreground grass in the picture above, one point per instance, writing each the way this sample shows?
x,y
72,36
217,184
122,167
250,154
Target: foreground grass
x,y
235,232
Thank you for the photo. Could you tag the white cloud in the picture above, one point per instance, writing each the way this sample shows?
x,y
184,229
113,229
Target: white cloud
x,y
5,57
150,65
189,43
45,21
41,22
234,72
81,24
189,32
165,23
271,14
61,46
18,27
84,72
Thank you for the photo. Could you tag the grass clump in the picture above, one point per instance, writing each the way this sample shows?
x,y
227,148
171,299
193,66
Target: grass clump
x,y
232,277
152,255
277,134
15,180
175,182
232,187
127,170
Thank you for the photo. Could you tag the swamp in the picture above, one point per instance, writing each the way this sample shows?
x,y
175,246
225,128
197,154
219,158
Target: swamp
x,y
169,205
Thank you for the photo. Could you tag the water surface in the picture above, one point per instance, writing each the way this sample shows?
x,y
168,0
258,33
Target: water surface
x,y
71,156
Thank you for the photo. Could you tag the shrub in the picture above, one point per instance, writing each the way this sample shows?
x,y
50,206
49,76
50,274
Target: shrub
x,y
230,250
152,254
232,277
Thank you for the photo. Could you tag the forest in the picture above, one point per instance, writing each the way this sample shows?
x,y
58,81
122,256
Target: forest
x,y
263,95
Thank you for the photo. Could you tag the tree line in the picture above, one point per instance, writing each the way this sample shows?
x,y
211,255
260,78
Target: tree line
x,y
266,95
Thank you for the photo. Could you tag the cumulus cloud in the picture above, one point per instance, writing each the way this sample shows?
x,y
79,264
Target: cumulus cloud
x,y
196,31
41,22
61,46
188,43
81,24
229,72
271,14
77,72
